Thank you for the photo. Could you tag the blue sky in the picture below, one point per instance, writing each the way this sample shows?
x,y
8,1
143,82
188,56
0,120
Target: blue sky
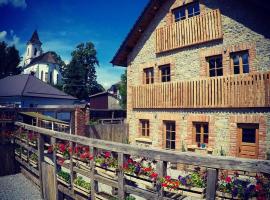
x,y
62,24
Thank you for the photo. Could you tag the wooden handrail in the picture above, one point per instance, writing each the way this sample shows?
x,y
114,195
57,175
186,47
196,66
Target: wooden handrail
x,y
236,91
195,30
208,161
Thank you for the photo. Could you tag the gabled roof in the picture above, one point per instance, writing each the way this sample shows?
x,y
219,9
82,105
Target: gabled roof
x,y
34,39
26,85
135,33
104,93
43,58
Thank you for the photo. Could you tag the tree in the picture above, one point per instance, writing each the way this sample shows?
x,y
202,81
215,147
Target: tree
x,y
9,60
123,90
59,61
80,75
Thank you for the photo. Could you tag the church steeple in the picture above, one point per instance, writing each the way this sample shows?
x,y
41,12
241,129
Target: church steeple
x,y
34,39
33,48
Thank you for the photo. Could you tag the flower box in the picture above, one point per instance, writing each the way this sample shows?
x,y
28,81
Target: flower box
x,y
24,157
103,196
24,140
142,181
223,195
81,190
33,163
81,164
18,154
33,143
61,180
189,191
108,172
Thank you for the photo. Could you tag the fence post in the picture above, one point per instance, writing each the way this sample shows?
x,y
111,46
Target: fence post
x,y
53,142
161,171
94,183
71,167
121,177
40,160
212,176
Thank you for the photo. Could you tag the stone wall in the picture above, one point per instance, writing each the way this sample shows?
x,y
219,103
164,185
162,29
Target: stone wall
x,y
244,27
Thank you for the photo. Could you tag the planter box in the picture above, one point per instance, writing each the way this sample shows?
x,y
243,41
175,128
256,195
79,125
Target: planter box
x,y
61,180
33,143
103,196
81,190
18,154
24,140
142,181
82,165
224,195
106,172
199,193
24,157
33,163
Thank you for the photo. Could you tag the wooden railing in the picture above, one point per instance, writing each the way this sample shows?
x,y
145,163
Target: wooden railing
x,y
212,163
240,91
196,30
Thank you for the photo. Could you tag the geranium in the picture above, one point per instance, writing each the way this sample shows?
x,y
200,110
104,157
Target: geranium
x,y
228,179
154,175
106,160
107,154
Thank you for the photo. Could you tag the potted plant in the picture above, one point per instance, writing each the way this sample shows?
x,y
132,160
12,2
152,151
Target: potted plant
x,y
106,164
32,139
33,160
82,157
18,151
24,136
82,186
64,178
24,154
63,150
190,185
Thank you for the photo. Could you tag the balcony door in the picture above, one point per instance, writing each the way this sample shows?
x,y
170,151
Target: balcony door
x,y
248,140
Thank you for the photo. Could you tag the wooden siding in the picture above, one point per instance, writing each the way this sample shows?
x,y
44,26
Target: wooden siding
x,y
195,30
246,90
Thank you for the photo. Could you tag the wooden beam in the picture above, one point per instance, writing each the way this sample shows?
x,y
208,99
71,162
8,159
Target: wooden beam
x,y
40,160
212,178
121,177
53,142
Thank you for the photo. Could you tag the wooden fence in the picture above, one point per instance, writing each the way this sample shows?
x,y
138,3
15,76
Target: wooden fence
x,y
109,132
51,186
195,30
247,90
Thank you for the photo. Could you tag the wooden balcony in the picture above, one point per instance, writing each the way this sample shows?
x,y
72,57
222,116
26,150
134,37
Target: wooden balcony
x,y
239,91
196,30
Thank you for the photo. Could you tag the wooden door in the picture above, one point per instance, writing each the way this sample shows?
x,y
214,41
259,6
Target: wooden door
x,y
248,140
48,178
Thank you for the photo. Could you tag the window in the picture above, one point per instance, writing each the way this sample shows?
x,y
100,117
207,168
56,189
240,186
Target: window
x,y
201,133
35,52
51,77
149,75
57,79
28,51
46,77
240,62
170,134
187,11
165,72
215,66
145,128
41,75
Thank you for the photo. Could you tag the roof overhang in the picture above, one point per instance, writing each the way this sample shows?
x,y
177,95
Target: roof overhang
x,y
120,58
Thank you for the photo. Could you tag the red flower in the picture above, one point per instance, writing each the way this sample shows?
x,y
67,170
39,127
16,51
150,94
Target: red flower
x,y
62,148
61,161
167,178
70,150
85,155
258,187
91,157
107,154
154,175
164,184
130,161
147,169
228,179
50,149
85,148
77,149
125,166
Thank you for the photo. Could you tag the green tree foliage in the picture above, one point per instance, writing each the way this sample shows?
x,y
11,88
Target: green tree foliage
x,y
123,90
59,61
9,60
80,75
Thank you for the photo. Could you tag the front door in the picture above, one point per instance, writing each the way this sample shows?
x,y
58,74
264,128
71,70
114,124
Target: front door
x,y
248,138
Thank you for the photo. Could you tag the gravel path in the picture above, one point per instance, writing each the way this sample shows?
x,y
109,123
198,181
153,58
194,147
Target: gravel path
x,y
17,187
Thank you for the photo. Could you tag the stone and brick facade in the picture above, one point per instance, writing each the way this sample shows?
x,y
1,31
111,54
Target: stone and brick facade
x,y
243,31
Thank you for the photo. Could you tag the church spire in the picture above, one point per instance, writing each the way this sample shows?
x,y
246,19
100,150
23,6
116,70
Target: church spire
x,y
34,39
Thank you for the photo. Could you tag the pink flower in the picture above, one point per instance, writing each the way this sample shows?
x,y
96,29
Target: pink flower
x,y
164,184
107,154
228,179
91,157
130,161
154,175
167,178
62,148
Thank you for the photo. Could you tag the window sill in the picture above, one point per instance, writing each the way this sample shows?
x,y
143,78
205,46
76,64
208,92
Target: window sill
x,y
145,140
195,147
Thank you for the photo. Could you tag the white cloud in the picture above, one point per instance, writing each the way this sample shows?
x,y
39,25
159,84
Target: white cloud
x,y
3,35
15,3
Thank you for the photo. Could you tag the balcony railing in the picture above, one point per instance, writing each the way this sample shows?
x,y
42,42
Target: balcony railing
x,y
247,90
196,30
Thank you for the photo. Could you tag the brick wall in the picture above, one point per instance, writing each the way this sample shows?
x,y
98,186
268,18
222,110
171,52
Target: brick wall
x,y
81,119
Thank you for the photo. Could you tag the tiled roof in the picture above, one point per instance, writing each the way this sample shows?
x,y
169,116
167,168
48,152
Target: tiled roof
x,y
34,39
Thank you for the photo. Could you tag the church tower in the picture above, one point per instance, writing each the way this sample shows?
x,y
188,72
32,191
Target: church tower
x,y
33,48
